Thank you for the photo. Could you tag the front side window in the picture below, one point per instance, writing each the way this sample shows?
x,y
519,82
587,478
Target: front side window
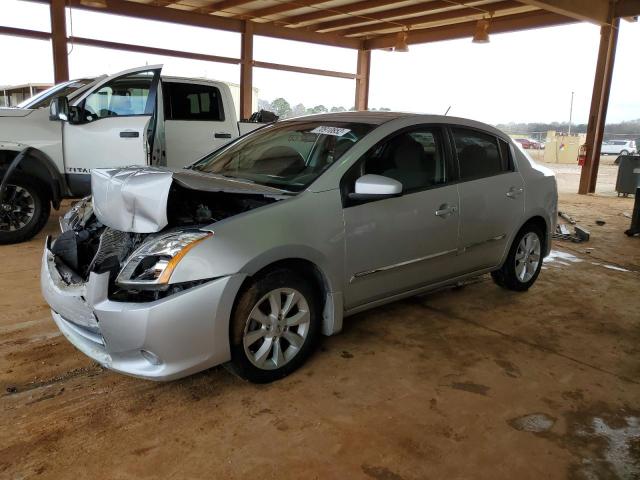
x,y
288,155
123,96
190,101
478,154
415,158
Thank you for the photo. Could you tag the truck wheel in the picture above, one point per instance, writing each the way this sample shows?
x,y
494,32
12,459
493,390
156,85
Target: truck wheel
x,y
522,266
624,152
24,209
274,327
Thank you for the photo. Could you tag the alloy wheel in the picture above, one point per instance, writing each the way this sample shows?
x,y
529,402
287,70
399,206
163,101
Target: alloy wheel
x,y
276,329
527,257
17,208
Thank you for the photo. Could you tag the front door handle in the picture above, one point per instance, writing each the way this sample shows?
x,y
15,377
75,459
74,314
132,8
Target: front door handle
x,y
445,210
222,135
514,192
129,134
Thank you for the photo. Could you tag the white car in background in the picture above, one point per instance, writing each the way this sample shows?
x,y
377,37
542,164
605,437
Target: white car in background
x,y
618,147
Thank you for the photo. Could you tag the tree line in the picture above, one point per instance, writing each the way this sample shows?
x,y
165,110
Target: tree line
x,y
283,108
630,127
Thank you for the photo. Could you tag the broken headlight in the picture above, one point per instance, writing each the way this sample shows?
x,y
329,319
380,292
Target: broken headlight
x,y
151,265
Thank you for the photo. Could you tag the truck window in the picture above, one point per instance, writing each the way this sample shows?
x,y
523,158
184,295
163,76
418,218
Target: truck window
x,y
191,101
123,96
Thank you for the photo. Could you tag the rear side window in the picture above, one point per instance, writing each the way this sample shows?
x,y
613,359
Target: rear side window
x,y
478,154
188,101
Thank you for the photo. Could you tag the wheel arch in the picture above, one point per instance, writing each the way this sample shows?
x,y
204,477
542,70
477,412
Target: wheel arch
x,y
35,163
331,301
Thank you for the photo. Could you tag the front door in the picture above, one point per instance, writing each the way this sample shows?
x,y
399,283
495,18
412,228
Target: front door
x,y
112,125
400,243
491,197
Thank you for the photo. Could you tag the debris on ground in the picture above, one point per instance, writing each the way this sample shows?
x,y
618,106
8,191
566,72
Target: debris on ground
x,y
600,222
567,217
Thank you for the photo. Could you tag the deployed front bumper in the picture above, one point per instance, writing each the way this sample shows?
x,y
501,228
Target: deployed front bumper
x,y
160,340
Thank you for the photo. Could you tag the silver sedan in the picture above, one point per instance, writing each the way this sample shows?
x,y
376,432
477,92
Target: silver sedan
x,y
247,256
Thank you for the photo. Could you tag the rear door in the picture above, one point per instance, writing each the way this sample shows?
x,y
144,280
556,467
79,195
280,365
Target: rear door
x,y
491,197
113,124
197,120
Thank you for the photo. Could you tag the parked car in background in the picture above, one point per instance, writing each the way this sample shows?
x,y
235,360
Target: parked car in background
x,y
248,255
529,143
618,147
135,117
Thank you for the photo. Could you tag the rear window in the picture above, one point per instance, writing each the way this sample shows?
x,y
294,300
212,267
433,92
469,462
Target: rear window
x,y
478,154
190,101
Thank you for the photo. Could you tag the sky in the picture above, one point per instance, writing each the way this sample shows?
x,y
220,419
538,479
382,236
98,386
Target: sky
x,y
518,77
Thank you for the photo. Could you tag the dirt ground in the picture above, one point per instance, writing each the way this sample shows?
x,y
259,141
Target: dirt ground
x,y
474,382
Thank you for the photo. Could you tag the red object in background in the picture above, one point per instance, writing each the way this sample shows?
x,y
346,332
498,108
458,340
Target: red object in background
x,y
582,155
526,143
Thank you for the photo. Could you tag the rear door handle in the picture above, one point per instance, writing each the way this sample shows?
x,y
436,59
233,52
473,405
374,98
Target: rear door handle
x,y
445,210
222,135
129,134
514,192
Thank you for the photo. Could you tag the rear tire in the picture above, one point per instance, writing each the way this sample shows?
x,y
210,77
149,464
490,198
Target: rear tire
x,y
274,327
524,261
624,152
24,209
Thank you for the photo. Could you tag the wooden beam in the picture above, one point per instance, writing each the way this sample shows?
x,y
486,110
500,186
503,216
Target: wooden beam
x,y
308,71
595,11
279,8
508,23
362,81
59,41
336,11
25,33
627,8
127,47
383,15
599,104
457,14
220,6
173,15
246,72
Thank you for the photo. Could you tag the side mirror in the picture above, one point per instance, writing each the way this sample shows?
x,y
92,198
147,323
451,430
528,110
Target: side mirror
x,y
369,187
59,109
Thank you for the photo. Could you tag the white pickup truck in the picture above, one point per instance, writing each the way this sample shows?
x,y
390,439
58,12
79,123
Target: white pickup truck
x,y
135,117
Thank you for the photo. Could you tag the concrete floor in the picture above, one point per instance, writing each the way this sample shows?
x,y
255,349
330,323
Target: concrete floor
x,y
475,382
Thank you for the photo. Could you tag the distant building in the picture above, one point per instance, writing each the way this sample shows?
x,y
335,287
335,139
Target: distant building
x,y
12,95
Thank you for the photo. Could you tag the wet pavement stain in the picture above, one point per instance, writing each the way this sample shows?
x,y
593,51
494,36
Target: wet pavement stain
x,y
471,387
535,422
380,473
606,442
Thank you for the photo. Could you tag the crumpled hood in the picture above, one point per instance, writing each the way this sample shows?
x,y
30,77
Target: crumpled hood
x,y
134,199
14,112
131,199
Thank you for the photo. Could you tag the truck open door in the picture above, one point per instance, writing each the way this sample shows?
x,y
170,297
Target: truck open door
x,y
113,124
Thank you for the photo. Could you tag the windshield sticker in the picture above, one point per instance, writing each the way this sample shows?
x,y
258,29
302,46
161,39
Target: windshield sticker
x,y
335,131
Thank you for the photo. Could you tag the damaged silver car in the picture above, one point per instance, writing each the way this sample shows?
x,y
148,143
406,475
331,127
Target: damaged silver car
x,y
247,256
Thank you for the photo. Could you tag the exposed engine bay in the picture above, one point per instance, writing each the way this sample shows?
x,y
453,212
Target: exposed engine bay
x,y
87,245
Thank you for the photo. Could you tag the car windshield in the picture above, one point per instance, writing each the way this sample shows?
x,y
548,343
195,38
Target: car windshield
x,y
43,99
288,155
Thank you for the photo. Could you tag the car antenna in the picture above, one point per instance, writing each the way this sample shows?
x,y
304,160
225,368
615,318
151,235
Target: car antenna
x,y
445,113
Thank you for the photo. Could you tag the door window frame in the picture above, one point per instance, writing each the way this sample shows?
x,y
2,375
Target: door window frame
x,y
150,107
451,165
509,162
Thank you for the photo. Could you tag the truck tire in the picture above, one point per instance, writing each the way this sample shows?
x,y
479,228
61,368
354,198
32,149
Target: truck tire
x,y
24,209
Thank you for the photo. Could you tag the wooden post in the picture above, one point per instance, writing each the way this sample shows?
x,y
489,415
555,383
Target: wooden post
x,y
599,104
59,40
246,71
362,80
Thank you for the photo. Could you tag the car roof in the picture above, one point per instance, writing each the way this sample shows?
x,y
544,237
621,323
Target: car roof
x,y
379,118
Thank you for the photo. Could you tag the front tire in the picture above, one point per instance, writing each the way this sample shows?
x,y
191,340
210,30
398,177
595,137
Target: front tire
x,y
24,209
274,327
524,261
624,152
